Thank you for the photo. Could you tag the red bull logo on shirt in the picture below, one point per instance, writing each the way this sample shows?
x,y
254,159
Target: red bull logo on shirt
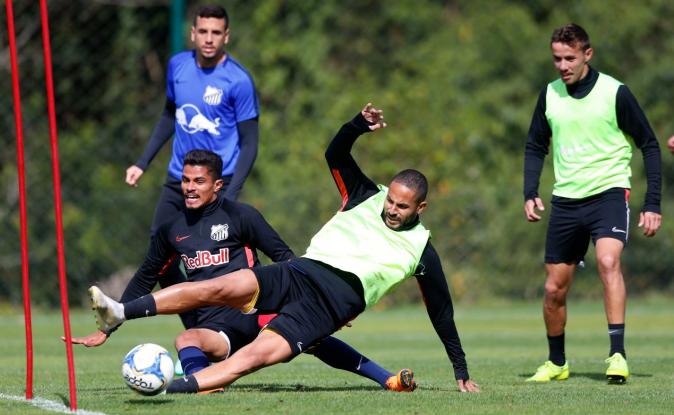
x,y
204,259
192,121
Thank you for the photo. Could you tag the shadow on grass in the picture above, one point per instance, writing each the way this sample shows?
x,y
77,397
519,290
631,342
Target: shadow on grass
x,y
149,401
106,390
64,399
602,376
265,387
249,387
597,376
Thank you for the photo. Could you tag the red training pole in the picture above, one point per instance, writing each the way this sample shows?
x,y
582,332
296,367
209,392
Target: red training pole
x,y
56,178
25,282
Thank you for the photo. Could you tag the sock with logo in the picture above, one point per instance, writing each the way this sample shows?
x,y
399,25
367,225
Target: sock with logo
x,y
340,355
192,359
171,275
556,347
144,306
616,333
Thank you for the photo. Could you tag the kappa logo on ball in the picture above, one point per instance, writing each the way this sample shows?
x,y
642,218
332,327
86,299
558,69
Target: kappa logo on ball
x,y
204,259
219,232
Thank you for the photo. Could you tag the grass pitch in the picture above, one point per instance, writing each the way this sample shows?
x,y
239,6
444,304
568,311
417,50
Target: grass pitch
x,y
504,344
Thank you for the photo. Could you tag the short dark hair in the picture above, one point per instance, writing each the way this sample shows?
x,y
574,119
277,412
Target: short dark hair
x,y
415,180
206,158
571,34
212,10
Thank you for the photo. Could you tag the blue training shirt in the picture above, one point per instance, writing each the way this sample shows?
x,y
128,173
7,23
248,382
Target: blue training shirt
x,y
209,104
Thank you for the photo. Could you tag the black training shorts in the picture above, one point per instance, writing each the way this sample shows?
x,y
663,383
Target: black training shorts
x,y
312,300
237,328
574,221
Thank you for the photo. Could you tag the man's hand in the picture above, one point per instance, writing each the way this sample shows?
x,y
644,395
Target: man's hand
x,y
374,117
92,340
670,144
133,174
650,221
530,207
468,386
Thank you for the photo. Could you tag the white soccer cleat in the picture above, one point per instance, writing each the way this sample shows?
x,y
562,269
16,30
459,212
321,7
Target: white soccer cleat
x,y
109,313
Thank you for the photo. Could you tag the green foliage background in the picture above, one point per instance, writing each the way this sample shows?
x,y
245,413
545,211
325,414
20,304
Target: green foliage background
x,y
458,81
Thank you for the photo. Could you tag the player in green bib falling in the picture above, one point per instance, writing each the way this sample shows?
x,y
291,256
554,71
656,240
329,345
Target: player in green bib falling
x,y
374,242
592,121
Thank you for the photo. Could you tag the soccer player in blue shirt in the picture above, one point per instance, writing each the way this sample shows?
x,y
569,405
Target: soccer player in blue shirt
x,y
210,104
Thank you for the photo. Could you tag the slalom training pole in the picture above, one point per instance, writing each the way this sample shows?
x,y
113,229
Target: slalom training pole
x,y
18,124
56,178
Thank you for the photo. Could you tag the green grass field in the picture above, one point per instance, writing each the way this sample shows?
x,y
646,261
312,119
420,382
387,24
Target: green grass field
x,y
504,343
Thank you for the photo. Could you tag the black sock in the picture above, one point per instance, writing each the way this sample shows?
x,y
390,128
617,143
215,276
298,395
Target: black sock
x,y
616,333
340,355
140,307
173,274
556,347
188,384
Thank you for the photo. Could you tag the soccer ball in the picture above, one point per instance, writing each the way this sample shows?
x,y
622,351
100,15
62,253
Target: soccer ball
x,y
148,369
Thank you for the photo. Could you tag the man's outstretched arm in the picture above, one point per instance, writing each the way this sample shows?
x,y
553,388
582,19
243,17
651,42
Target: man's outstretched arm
x,y
158,257
354,186
439,306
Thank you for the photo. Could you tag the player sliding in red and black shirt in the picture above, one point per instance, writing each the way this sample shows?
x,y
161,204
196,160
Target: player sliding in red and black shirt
x,y
375,242
213,236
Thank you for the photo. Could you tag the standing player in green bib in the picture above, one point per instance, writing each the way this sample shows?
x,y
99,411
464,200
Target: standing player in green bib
x,y
592,121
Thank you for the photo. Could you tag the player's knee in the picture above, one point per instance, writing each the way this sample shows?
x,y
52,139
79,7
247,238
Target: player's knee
x,y
555,292
186,339
608,263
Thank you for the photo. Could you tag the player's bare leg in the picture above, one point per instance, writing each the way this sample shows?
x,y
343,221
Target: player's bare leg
x,y
608,252
198,347
557,284
267,349
212,343
237,290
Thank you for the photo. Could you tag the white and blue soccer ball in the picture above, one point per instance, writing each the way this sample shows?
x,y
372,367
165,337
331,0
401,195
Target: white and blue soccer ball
x,y
148,369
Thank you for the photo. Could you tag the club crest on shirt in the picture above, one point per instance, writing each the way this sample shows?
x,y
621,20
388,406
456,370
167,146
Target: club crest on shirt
x,y
219,232
213,95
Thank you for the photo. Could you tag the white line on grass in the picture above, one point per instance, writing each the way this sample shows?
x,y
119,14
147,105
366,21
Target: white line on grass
x,y
48,405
